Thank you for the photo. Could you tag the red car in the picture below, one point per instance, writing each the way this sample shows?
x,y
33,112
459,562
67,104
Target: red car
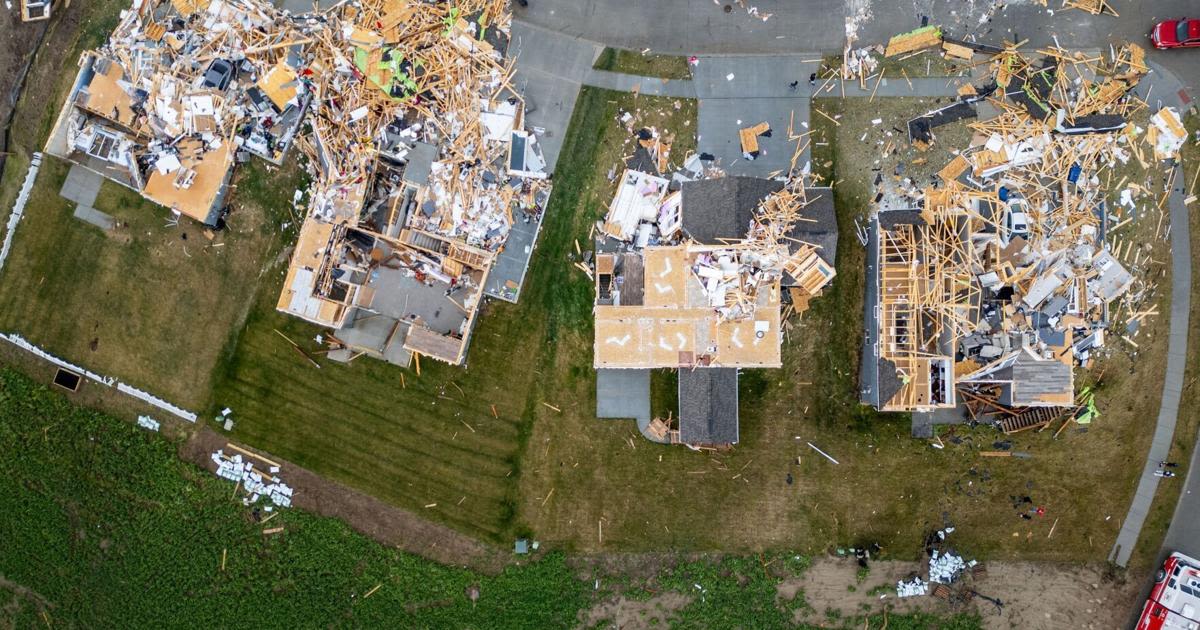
x,y
1181,33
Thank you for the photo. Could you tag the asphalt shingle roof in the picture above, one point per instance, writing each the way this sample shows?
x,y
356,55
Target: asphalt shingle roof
x,y
708,406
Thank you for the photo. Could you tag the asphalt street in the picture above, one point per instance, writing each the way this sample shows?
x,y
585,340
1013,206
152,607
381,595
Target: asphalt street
x,y
697,27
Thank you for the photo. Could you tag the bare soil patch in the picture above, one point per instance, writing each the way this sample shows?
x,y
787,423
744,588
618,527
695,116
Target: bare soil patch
x,y
1035,595
369,516
623,612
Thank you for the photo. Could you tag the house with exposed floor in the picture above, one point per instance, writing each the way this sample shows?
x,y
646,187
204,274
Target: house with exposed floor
x,y
708,305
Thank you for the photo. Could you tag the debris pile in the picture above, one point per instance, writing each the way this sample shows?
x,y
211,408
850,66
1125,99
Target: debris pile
x,y
257,485
1167,134
737,271
912,588
1095,7
945,565
1006,276
857,63
146,422
945,568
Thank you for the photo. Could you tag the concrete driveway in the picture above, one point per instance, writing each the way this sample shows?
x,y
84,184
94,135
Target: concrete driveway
x,y
550,67
741,91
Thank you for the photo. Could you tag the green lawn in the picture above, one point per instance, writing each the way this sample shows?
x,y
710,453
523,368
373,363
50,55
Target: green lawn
x,y
104,526
152,305
647,65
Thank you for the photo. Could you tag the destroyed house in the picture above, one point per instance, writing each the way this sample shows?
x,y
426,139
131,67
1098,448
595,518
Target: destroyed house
x,y
388,289
939,319
175,95
956,299
921,297
1000,283
403,231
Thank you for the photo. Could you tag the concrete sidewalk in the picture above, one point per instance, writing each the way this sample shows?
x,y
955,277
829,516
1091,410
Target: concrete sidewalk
x,y
1167,89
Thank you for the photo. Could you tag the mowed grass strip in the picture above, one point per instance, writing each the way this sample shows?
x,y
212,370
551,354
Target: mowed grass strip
x,y
647,65
1162,511
413,441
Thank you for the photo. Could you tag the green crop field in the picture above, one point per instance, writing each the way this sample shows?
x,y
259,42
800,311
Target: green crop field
x,y
103,526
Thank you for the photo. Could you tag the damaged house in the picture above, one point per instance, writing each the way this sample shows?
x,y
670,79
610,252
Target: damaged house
x,y
694,279
176,94
423,170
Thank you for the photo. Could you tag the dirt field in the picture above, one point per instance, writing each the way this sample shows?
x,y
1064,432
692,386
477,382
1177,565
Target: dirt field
x,y
626,613
1035,596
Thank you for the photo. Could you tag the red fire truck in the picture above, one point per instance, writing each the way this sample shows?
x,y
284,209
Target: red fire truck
x,y
1174,602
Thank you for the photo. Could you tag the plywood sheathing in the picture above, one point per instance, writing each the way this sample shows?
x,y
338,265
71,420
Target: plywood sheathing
x,y
924,37
749,136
